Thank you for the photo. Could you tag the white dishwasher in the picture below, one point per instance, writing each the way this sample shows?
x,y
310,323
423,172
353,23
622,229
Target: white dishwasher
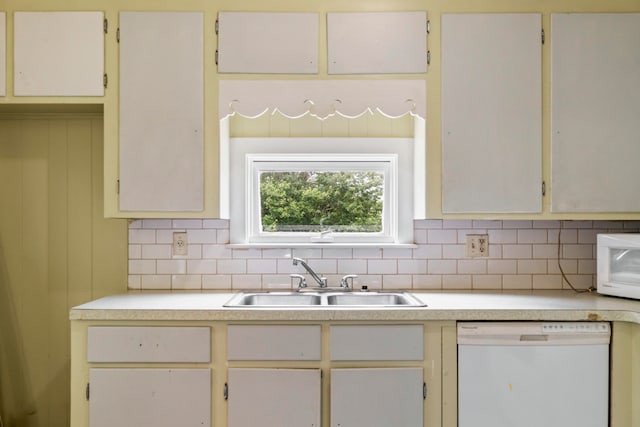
x,y
521,374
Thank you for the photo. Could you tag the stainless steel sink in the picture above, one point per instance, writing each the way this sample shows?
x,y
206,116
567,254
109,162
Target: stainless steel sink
x,y
326,299
360,299
273,299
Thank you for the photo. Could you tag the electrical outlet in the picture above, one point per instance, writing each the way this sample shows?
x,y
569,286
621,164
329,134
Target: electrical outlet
x,y
180,243
477,245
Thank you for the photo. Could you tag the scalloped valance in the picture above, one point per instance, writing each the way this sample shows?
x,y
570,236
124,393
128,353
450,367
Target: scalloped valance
x,y
322,98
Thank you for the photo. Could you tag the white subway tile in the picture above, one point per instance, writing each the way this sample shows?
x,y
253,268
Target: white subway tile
x,y
631,225
431,223
547,281
453,251
246,253
307,253
187,223
566,236
321,266
202,266
444,266
458,281
216,252
264,266
134,281
367,253
135,251
246,281
577,251
174,266
186,281
390,253
516,281
194,251
141,236
340,253
216,223
165,236
457,223
587,266
517,224
222,237
276,253
579,281
232,266
372,281
285,266
546,224
396,281
383,266
462,234
151,281
532,236
156,223
442,236
278,281
156,251
486,281
588,236
545,251
577,224
502,236
352,266
427,281
428,252
218,281
142,266
137,223
516,251
532,266
205,237
609,225
487,224
569,266
412,266
472,266
502,266
419,236
495,251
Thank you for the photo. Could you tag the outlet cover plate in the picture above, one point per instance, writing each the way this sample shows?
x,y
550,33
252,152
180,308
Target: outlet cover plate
x,y
477,245
180,243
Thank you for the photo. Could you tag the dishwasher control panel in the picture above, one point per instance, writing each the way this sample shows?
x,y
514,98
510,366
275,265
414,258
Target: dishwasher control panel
x,y
575,327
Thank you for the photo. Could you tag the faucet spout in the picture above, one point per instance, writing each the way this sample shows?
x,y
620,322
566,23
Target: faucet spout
x,y
322,281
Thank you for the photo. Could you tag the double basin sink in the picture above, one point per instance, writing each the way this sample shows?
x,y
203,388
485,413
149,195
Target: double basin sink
x,y
327,299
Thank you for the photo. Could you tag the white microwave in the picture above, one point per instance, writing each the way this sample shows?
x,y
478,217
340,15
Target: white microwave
x,y
618,265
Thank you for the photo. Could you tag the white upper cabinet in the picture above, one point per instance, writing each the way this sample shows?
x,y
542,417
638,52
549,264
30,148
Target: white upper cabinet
x,y
491,113
377,42
3,54
161,111
58,53
595,110
263,42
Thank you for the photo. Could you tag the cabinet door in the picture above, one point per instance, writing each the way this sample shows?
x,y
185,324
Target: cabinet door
x,y
3,54
58,53
491,113
150,397
274,397
377,397
595,100
161,111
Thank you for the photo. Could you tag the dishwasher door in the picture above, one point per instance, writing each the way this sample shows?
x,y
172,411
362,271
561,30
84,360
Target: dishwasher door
x,y
521,374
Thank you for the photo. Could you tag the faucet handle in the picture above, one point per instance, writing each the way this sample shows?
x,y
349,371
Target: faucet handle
x,y
344,282
302,282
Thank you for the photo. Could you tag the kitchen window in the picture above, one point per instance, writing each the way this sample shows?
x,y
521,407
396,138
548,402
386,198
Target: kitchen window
x,y
321,190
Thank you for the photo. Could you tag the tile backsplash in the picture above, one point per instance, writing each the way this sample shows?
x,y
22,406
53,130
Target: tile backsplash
x,y
522,255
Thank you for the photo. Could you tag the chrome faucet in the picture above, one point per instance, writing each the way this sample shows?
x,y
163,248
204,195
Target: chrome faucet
x,y
322,281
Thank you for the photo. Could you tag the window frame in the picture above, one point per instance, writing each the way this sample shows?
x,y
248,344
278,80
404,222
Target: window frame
x,y
387,164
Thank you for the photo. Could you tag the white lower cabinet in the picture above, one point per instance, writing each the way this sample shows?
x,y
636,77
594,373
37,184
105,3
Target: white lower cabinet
x,y
274,397
377,397
138,397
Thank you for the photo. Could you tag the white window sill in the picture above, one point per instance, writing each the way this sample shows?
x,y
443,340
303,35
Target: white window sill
x,y
321,245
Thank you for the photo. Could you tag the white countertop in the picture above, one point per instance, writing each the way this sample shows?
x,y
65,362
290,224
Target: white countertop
x,y
513,305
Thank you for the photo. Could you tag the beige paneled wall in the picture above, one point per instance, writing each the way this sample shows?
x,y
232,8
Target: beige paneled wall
x,y
56,251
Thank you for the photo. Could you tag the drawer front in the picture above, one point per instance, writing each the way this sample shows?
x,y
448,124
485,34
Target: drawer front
x,y
377,342
153,344
273,342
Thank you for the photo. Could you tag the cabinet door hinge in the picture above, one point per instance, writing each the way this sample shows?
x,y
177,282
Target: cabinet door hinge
x,y
118,35
424,391
87,392
225,391
216,56
544,188
105,80
428,27
542,36
118,186
428,57
105,25
217,27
